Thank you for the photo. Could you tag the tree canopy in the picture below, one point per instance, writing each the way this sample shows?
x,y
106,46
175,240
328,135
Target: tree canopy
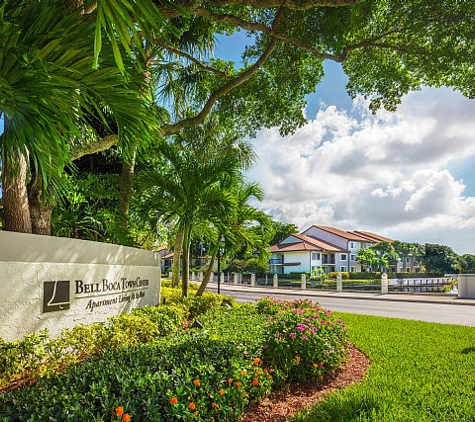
x,y
80,77
440,259
387,49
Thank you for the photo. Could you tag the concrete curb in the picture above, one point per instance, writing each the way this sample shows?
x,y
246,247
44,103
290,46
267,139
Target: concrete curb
x,y
447,300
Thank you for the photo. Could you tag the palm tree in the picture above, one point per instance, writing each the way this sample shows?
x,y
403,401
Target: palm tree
x,y
48,87
186,190
234,228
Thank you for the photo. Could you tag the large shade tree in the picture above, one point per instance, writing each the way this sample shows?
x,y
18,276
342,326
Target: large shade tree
x,y
440,259
386,48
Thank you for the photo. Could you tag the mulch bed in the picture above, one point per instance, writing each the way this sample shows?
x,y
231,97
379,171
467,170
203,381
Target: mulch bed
x,y
281,405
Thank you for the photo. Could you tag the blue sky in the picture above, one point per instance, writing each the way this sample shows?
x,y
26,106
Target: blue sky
x,y
407,175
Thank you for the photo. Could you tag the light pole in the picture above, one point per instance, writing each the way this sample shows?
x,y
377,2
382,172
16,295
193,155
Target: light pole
x,y
219,270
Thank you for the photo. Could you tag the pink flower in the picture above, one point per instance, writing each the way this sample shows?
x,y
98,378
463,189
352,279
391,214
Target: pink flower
x,y
292,335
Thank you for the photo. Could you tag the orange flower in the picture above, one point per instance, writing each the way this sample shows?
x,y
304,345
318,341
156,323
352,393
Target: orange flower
x,y
230,381
173,400
259,372
256,361
221,392
315,365
197,383
266,371
243,373
214,405
196,413
126,417
191,406
269,377
297,358
255,382
119,411
238,384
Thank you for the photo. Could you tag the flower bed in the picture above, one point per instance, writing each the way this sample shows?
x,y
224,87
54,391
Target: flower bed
x,y
192,375
302,340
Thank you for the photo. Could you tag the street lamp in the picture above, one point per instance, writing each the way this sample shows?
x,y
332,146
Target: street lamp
x,y
219,271
220,252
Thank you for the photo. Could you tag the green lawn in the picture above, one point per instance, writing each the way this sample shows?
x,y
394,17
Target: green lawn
x,y
420,372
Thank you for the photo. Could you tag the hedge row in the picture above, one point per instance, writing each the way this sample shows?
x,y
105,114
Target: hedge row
x,y
191,375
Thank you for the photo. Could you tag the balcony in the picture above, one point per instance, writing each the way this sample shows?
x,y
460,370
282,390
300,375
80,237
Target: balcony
x,y
276,261
326,261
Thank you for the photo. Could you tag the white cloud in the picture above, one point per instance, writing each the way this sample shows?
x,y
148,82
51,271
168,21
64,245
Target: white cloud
x,y
386,173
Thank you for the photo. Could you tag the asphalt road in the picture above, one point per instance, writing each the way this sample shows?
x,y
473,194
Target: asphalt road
x,y
421,311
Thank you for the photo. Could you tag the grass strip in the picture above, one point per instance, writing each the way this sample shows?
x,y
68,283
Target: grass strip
x,y
420,372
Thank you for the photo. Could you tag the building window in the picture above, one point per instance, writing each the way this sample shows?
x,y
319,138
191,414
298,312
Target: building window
x,y
352,257
352,245
342,268
408,259
353,269
315,256
343,257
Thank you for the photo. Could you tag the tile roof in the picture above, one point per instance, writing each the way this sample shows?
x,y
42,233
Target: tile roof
x,y
313,243
293,247
309,243
373,236
324,246
342,233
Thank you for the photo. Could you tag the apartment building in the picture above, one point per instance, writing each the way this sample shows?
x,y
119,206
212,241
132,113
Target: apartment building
x,y
323,247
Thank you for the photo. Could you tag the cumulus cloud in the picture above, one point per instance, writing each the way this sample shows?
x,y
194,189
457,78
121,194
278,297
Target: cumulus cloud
x,y
386,173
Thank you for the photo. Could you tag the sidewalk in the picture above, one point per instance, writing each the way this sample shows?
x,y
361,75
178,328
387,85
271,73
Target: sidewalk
x,y
396,297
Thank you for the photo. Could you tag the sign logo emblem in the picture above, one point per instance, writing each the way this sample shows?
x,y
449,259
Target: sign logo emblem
x,y
56,296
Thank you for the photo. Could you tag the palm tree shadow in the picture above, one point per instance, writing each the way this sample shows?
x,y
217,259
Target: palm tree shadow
x,y
467,350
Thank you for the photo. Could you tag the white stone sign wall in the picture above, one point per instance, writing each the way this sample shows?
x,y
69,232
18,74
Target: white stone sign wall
x,y
56,283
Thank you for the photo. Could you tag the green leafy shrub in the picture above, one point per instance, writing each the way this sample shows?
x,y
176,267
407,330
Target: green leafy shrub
x,y
318,275
365,275
168,319
344,275
296,275
242,327
170,294
35,355
302,340
191,377
131,329
198,305
353,282
194,305
40,355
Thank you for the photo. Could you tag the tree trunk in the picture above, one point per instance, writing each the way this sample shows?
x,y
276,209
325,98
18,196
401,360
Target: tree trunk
x,y
125,189
40,215
15,198
176,258
209,270
185,265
